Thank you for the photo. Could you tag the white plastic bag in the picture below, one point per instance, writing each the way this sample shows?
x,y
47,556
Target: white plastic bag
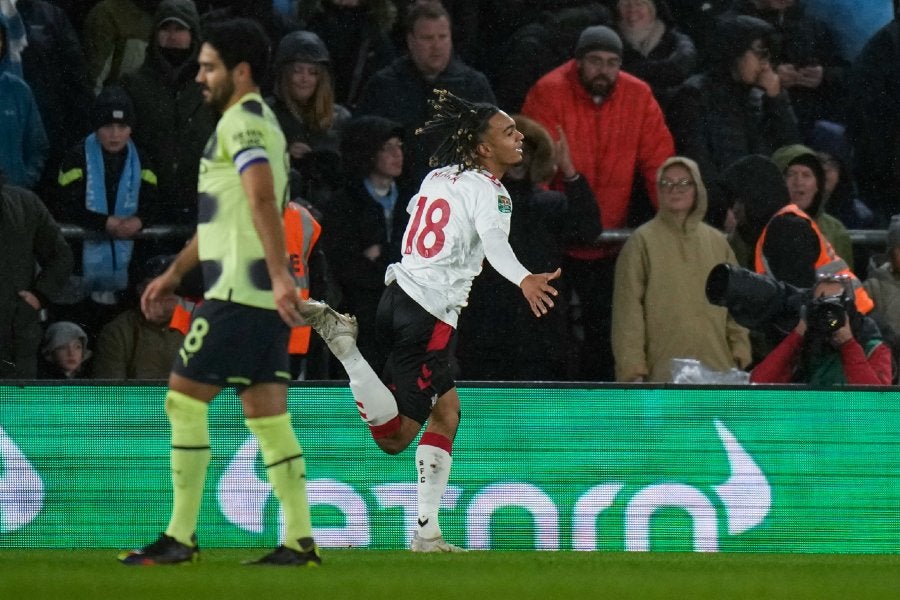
x,y
691,371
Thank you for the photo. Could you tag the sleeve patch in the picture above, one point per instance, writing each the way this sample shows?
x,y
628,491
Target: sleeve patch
x,y
504,204
254,107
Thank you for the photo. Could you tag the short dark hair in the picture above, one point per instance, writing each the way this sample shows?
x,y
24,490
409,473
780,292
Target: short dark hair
x,y
240,40
425,9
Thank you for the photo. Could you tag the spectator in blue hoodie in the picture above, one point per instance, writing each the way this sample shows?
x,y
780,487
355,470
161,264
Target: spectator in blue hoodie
x,y
23,140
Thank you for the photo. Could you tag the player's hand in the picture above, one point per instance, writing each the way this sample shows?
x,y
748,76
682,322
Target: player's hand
x,y
537,290
159,294
287,300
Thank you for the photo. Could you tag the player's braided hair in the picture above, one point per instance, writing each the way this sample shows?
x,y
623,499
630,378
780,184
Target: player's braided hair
x,y
462,123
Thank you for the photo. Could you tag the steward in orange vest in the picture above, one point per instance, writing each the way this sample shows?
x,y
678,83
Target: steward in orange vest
x,y
827,263
301,232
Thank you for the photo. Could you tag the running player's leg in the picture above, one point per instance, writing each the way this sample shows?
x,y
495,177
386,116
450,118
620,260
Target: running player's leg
x,y
374,400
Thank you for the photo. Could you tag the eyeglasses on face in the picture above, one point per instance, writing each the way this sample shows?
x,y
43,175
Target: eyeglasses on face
x,y
681,185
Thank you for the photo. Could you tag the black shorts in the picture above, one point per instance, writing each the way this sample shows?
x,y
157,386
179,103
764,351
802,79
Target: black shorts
x,y
417,365
234,345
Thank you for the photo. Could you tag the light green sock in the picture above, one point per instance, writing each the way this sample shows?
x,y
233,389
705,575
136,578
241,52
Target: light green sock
x,y
189,460
286,470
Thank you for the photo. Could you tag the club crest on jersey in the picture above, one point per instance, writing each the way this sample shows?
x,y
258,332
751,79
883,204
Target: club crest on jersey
x,y
504,204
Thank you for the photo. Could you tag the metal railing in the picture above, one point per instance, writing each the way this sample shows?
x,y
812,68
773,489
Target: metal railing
x,y
859,237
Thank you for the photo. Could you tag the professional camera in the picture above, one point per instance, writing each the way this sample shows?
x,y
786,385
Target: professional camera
x,y
755,301
826,314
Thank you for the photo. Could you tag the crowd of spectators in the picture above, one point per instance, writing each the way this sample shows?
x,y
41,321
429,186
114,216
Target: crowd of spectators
x,y
737,131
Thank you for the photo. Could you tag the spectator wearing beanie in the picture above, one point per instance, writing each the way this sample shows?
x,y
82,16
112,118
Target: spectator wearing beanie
x,y
363,225
804,175
106,186
616,134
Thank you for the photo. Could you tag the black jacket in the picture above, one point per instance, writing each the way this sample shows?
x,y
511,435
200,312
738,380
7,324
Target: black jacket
x,y
400,93
35,257
172,125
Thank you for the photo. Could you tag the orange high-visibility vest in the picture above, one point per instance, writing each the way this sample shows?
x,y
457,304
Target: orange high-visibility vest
x,y
301,232
828,262
181,316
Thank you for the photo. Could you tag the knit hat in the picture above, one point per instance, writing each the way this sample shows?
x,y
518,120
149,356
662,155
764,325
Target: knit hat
x,y
113,105
301,46
61,333
598,37
893,233
362,138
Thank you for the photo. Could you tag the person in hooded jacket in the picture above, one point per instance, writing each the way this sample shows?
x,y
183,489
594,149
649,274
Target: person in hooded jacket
x,y
735,108
804,175
172,123
660,311
303,102
363,224
808,59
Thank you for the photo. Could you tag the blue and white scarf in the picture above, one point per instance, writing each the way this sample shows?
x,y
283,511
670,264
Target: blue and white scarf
x,y
105,262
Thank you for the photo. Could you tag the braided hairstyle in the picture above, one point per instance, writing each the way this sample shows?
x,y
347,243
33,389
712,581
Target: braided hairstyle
x,y
462,123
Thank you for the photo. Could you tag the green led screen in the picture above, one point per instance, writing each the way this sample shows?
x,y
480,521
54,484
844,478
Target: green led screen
x,y
636,468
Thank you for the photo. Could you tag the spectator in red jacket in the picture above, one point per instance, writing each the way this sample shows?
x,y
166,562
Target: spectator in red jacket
x,y
829,345
615,129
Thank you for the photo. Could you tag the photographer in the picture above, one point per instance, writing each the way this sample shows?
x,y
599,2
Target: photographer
x,y
832,344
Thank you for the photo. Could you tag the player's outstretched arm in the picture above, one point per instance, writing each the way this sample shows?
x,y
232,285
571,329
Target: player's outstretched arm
x,y
537,290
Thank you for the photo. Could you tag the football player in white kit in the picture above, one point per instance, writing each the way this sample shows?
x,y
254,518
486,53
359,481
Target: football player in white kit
x,y
460,215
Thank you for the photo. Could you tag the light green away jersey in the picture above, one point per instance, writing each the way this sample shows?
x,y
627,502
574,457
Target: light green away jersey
x,y
234,266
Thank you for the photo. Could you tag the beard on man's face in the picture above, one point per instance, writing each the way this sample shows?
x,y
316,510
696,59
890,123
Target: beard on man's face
x,y
219,96
599,85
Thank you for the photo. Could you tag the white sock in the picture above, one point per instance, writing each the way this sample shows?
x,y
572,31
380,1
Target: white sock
x,y
433,470
374,400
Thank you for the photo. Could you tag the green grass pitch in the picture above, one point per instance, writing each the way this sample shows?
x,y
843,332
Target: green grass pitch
x,y
397,575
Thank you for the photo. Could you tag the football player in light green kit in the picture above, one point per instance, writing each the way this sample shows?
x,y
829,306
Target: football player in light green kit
x,y
239,335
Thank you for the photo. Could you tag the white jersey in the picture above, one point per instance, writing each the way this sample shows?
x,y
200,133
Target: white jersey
x,y
442,247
